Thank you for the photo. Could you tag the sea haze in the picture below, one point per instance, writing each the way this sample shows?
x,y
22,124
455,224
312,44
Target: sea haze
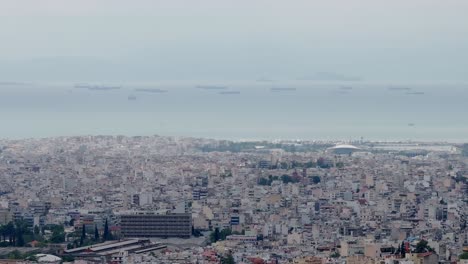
x,y
241,110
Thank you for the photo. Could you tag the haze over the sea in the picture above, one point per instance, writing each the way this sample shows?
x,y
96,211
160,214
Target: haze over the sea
x,y
266,69
239,110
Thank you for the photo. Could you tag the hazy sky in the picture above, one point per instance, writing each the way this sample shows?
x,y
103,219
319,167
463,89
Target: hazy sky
x,y
123,40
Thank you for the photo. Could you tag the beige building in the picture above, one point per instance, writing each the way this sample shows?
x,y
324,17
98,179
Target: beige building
x,y
424,258
5,216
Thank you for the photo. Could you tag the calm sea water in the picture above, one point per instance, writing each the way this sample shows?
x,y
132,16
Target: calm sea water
x,y
327,111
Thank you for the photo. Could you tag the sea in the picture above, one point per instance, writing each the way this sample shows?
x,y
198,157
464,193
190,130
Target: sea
x,y
238,110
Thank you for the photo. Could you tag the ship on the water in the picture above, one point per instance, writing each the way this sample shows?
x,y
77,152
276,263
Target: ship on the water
x,y
211,87
282,89
150,90
96,87
103,88
229,92
399,88
131,98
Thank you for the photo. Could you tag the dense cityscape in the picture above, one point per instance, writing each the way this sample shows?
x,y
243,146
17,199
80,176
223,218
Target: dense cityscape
x,y
154,199
233,132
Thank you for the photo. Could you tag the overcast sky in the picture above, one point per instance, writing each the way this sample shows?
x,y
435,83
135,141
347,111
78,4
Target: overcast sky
x,y
123,40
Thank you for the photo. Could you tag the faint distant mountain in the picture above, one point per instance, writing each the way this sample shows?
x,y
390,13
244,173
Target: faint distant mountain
x,y
330,76
63,68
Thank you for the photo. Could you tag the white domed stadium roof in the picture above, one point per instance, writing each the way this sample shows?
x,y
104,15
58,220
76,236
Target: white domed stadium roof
x,y
343,149
345,146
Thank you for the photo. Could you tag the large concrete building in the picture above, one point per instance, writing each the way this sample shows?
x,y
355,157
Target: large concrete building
x,y
151,224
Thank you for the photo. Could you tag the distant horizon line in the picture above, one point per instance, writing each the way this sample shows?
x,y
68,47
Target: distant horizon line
x,y
220,81
279,140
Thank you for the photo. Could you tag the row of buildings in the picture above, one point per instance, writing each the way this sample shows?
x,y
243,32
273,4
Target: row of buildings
x,y
270,205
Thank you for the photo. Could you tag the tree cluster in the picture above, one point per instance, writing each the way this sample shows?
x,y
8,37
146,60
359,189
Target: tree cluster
x,y
229,259
315,179
16,234
423,247
218,235
16,255
231,146
464,255
58,234
86,236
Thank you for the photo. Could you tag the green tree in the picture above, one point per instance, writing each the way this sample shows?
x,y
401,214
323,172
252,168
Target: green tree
x,y
3,232
316,179
15,254
57,228
214,237
224,233
464,255
422,247
83,235
58,235
36,230
403,249
288,179
196,232
68,258
263,181
310,164
20,230
96,233
229,259
218,235
10,233
106,235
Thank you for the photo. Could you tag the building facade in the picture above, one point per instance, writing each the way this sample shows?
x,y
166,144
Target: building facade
x,y
148,224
